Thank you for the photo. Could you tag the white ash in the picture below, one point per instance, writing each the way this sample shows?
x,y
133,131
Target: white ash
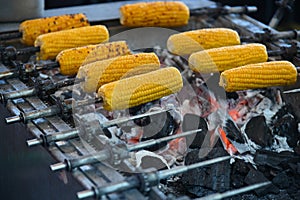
x,y
140,154
280,144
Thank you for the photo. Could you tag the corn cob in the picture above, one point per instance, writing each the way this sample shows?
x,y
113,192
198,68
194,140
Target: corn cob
x,y
99,73
223,58
192,41
31,29
71,59
163,14
52,43
140,89
260,75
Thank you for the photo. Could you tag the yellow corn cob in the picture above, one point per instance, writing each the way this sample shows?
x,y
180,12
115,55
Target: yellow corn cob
x,y
52,43
140,89
223,58
260,75
163,14
31,29
105,71
71,59
192,41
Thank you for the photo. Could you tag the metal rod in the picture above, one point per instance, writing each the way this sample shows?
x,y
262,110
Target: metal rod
x,y
13,119
17,94
35,114
122,151
291,91
34,142
7,74
153,178
152,142
27,50
178,170
84,160
85,194
47,139
58,166
50,65
34,68
9,36
223,10
126,119
217,196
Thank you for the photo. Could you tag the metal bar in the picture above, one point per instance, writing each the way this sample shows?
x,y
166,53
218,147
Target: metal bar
x,y
11,35
152,142
152,179
217,196
47,139
17,94
126,119
178,170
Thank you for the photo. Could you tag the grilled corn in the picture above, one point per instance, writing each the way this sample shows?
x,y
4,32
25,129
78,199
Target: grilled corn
x,y
99,73
260,75
31,29
192,41
71,59
223,58
52,43
162,14
140,89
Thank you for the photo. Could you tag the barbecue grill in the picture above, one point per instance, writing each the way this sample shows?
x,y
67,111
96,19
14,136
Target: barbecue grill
x,y
91,166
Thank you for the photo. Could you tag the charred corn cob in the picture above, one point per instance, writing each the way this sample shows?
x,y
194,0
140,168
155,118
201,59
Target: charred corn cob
x,y
223,58
52,43
31,29
71,59
140,89
162,14
99,73
192,41
260,75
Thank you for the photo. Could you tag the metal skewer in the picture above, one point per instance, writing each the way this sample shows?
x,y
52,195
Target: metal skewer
x,y
144,182
47,139
24,70
217,196
122,152
10,53
41,87
126,119
11,35
224,10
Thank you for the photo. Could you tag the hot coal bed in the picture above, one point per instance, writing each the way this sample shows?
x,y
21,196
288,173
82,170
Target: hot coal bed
x,y
259,129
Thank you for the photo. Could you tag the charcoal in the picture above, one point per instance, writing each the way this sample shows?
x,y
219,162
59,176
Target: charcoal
x,y
281,180
215,177
152,162
141,109
273,159
284,123
232,132
295,195
232,95
258,131
192,122
238,172
297,148
168,127
283,194
255,176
